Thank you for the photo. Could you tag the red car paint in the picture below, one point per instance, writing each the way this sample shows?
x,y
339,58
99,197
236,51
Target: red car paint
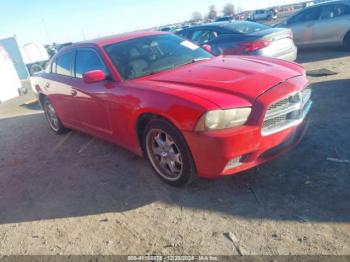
x,y
110,110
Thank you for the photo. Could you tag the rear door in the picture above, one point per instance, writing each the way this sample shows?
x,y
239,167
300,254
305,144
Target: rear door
x,y
90,99
333,24
303,26
58,86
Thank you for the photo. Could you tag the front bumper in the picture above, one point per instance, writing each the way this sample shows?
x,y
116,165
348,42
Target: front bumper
x,y
212,151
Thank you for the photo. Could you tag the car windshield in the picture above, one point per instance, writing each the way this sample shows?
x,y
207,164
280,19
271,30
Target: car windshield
x,y
153,54
246,27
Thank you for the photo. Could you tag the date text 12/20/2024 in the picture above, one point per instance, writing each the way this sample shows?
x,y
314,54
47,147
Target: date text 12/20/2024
x,y
172,258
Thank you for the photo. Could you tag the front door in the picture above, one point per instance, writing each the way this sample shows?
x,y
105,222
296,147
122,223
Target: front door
x,y
333,23
303,25
58,85
91,99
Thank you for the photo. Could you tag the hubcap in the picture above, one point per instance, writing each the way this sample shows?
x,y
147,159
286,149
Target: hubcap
x,y
51,116
164,154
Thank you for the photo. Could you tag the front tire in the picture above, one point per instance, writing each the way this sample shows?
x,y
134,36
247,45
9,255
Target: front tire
x,y
346,42
168,153
52,117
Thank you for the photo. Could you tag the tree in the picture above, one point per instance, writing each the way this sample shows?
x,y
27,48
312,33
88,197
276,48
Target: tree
x,y
212,12
196,16
229,10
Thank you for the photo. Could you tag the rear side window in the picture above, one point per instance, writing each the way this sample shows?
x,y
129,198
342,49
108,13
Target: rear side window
x,y
204,36
88,60
333,11
64,64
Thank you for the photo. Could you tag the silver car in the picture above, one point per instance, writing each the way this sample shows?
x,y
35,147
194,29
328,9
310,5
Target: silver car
x,y
326,24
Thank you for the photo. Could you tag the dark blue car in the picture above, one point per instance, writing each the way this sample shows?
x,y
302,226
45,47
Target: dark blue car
x,y
243,38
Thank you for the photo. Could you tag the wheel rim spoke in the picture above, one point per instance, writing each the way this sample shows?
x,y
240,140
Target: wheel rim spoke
x,y
164,154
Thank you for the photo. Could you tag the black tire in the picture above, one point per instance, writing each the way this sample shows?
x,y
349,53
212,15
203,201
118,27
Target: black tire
x,y
346,42
188,170
56,126
35,69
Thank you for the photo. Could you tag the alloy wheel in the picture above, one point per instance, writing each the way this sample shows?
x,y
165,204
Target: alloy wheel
x,y
52,116
164,154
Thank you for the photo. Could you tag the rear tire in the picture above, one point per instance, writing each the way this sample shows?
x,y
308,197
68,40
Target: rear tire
x,y
168,153
346,42
52,117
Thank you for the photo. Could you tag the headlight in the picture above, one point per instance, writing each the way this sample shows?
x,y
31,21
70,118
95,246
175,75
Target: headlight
x,y
221,119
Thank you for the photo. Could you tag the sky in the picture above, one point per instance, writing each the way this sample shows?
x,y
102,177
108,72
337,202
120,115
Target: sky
x,y
48,21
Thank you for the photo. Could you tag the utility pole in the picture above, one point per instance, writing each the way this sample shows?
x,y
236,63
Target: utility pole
x,y
83,33
46,31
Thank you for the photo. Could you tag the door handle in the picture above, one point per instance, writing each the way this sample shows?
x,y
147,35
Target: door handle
x,y
73,92
47,85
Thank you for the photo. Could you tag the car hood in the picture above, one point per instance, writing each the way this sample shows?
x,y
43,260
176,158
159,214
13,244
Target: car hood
x,y
219,78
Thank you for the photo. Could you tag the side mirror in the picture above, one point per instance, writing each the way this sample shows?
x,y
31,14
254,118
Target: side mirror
x,y
207,48
94,76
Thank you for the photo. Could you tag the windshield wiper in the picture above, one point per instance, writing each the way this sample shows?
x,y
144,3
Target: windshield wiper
x,y
194,60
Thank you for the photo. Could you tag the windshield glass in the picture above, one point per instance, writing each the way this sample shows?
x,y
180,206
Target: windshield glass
x,y
246,27
153,54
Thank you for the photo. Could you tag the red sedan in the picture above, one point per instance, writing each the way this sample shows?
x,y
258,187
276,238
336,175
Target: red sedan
x,y
190,113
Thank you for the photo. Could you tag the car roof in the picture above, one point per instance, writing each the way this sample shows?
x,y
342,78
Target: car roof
x,y
225,25
103,41
346,2
330,2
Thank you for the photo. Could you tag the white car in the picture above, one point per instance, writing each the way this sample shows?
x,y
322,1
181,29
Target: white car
x,y
10,83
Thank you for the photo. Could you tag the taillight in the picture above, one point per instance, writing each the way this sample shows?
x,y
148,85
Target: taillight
x,y
253,46
290,35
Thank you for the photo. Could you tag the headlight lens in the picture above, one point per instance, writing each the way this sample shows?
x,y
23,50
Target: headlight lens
x,y
221,119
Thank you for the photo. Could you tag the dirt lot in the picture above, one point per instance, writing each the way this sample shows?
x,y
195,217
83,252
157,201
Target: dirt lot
x,y
76,195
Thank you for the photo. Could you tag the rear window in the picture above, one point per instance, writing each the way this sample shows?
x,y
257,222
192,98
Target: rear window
x,y
246,27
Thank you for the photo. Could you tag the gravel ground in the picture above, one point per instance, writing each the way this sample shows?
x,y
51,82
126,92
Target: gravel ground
x,y
74,194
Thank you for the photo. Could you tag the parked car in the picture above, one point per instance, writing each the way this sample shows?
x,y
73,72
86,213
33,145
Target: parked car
x,y
188,112
243,37
35,56
166,29
326,24
264,14
10,83
224,19
14,52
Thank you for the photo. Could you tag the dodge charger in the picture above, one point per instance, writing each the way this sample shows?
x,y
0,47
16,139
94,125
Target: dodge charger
x,y
190,113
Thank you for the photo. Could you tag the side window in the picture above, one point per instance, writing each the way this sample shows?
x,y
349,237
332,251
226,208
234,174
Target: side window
x,y
88,60
333,11
327,12
204,36
306,16
64,64
182,34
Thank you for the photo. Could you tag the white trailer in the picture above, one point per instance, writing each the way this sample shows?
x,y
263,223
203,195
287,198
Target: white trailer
x,y
9,80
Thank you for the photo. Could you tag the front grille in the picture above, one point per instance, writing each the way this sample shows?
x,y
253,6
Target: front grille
x,y
287,112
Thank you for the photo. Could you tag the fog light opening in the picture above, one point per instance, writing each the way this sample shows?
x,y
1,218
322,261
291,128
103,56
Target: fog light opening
x,y
235,162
